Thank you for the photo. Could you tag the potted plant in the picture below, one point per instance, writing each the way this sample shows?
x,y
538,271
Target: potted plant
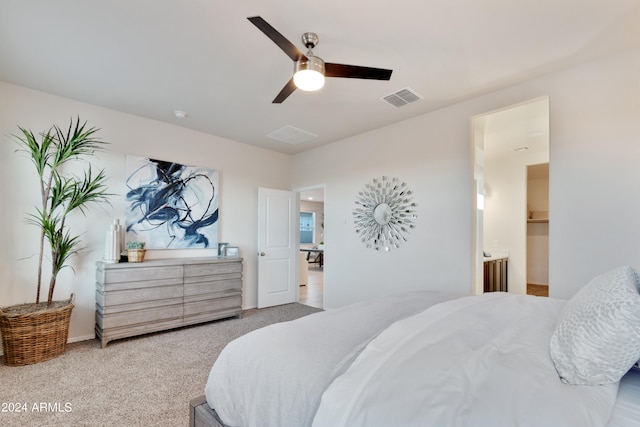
x,y
36,332
135,251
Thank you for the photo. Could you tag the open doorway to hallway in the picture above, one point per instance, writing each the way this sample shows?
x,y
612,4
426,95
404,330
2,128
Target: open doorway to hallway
x,y
312,255
312,293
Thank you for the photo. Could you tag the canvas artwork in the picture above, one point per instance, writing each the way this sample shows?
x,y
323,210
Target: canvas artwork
x,y
169,205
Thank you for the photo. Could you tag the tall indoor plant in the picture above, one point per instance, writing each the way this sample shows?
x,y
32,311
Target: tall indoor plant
x,y
60,194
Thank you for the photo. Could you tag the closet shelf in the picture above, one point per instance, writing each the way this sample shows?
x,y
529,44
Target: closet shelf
x,y
538,216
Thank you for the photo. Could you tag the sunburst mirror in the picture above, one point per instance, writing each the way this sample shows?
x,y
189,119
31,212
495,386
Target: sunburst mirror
x,y
384,213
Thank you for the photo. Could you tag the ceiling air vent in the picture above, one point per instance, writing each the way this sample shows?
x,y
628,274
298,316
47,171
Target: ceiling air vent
x,y
291,135
402,97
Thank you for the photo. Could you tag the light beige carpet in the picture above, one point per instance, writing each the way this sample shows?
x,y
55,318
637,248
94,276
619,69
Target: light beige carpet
x,y
143,381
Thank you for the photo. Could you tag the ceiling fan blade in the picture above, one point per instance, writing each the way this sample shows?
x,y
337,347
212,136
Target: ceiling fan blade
x,y
285,92
289,48
356,72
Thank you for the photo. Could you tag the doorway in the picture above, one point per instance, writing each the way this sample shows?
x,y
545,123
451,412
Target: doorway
x,y
538,230
312,254
505,143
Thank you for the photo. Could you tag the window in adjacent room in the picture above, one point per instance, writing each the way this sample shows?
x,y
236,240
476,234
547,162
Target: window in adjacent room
x,y
307,225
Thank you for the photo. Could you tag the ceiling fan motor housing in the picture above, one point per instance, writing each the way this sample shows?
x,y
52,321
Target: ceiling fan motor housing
x,y
311,62
310,40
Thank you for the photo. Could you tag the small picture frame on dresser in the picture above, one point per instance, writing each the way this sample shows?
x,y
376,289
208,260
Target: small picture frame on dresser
x,y
232,252
222,248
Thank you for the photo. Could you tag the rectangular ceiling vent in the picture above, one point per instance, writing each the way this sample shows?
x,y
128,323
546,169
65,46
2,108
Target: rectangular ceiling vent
x,y
291,135
402,97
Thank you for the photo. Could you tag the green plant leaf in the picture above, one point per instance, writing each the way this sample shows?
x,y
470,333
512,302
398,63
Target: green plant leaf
x,y
62,194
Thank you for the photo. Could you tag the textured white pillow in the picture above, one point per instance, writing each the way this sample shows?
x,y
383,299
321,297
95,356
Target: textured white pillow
x,y
597,336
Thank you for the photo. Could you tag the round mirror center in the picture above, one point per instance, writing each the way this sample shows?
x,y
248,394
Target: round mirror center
x,y
382,214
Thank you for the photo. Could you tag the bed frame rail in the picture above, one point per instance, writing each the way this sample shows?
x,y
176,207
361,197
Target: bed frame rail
x,y
201,415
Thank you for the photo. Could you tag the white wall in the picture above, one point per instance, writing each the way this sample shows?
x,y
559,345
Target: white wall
x,y
243,168
538,194
594,203
593,171
423,153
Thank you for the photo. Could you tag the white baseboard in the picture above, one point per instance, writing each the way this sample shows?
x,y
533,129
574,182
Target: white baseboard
x,y
82,338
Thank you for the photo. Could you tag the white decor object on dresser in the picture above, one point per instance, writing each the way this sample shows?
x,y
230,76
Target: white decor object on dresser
x,y
139,298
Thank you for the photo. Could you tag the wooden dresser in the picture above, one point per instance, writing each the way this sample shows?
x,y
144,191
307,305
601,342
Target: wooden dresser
x,y
150,296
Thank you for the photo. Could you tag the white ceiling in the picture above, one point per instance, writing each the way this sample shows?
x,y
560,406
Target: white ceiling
x,y
517,130
150,58
313,195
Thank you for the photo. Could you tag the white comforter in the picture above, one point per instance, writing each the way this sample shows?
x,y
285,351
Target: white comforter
x,y
474,361
275,376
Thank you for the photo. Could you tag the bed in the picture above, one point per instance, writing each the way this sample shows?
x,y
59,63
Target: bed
x,y
427,358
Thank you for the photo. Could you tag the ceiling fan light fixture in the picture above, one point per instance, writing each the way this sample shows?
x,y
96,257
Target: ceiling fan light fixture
x,y
308,74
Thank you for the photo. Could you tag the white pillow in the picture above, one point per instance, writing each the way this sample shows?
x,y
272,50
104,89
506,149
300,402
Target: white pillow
x,y
597,336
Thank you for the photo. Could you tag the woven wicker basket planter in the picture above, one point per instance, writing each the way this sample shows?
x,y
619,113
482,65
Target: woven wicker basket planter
x,y
136,255
34,337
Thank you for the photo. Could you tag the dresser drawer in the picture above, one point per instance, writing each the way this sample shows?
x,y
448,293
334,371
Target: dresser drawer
x,y
131,318
212,286
131,296
139,274
211,309
195,270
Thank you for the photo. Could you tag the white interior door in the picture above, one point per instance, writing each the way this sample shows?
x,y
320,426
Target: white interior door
x,y
277,247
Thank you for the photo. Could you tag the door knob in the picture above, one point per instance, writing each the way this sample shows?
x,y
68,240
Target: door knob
x,y
262,254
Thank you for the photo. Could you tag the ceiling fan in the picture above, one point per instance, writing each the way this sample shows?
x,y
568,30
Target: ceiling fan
x,y
309,70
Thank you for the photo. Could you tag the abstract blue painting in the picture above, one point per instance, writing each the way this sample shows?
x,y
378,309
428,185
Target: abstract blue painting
x,y
171,206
